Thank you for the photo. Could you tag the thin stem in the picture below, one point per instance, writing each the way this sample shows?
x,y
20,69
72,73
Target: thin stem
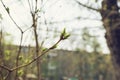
x,y
30,7
5,67
36,5
7,75
98,10
11,17
43,53
27,29
18,54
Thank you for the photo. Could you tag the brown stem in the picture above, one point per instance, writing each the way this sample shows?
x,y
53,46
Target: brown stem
x,y
43,53
17,58
5,67
11,17
98,10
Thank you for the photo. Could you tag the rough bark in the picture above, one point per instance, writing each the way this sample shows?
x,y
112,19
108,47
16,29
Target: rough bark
x,y
111,21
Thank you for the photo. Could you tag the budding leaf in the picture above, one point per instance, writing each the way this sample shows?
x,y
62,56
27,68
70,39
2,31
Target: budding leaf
x,y
66,36
20,72
8,10
63,33
20,57
44,49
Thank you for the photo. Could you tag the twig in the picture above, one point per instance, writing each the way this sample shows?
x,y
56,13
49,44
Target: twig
x,y
7,75
36,5
18,54
98,10
35,58
11,17
27,29
30,7
35,20
5,67
1,76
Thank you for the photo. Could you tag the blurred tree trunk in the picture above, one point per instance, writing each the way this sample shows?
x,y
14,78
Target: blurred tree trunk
x,y
111,21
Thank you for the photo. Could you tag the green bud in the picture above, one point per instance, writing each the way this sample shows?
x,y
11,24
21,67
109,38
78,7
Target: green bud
x,y
27,61
44,49
7,9
63,33
66,36
20,72
20,57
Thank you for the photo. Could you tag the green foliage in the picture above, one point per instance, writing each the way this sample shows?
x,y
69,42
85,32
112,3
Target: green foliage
x,y
44,49
84,64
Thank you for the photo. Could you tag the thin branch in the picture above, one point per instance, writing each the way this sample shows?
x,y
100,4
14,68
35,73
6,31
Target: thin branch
x,y
6,78
7,10
36,5
18,54
35,21
5,67
36,57
98,10
27,29
1,75
42,5
30,7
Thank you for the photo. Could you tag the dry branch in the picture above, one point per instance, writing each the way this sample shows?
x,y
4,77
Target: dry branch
x,y
98,10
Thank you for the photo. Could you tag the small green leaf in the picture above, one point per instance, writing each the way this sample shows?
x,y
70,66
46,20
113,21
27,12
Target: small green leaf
x,y
63,33
44,49
66,36
20,57
27,60
20,72
8,10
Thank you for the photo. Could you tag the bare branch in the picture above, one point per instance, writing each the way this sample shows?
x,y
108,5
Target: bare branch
x,y
7,10
98,10
30,7
36,5
5,67
27,29
6,78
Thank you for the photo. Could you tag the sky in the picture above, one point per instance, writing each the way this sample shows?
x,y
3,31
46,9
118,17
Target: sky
x,y
63,13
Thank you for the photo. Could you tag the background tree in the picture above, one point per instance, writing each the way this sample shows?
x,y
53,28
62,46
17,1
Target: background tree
x,y
111,22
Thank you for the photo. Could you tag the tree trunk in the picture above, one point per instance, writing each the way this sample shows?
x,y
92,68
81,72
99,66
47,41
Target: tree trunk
x,y
111,21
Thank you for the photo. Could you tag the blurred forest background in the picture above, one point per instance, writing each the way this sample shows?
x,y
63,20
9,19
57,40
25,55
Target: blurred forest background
x,y
53,40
